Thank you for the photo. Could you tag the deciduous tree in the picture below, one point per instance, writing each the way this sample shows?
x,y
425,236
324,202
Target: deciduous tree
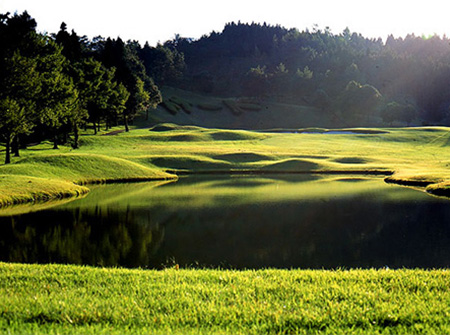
x,y
13,121
19,86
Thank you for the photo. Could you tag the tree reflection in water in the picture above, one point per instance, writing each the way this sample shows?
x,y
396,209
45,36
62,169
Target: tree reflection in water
x,y
111,238
192,226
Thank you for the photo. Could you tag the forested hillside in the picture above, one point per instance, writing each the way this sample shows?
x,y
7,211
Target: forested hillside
x,y
364,80
54,85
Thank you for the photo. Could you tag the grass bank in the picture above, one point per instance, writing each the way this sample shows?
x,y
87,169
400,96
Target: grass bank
x,y
17,189
50,299
417,157
43,175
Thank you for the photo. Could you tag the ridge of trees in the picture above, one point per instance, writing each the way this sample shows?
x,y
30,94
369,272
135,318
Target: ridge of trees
x,y
409,78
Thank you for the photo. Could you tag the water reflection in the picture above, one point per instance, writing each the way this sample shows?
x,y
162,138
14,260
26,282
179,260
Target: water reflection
x,y
238,223
104,237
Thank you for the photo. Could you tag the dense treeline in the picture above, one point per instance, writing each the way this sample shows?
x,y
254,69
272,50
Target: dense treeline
x,y
362,80
50,86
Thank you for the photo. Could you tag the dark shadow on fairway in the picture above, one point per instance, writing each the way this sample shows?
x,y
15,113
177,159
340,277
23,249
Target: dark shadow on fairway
x,y
243,157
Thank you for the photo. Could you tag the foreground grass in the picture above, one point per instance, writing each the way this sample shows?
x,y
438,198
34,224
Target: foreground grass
x,y
47,299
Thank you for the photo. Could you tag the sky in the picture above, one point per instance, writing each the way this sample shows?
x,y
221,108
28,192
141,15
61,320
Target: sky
x,y
158,21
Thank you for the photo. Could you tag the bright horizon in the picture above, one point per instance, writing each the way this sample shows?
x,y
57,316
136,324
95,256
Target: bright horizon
x,y
160,21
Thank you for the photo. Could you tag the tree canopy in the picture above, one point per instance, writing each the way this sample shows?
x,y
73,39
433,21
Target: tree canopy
x,y
51,85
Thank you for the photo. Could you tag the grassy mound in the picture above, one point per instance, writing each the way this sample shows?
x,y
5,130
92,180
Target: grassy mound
x,y
416,181
292,165
351,160
181,104
171,126
174,132
189,137
22,189
83,168
440,189
46,177
233,107
189,163
243,157
238,107
235,135
163,127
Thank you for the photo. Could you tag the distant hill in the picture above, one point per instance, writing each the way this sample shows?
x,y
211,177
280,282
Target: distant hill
x,y
362,81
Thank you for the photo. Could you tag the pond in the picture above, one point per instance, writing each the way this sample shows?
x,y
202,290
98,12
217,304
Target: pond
x,y
236,222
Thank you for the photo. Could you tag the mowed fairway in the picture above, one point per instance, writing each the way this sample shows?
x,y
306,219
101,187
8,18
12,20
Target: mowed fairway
x,y
418,157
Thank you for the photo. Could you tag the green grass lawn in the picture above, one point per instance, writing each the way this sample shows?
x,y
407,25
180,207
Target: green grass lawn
x,y
51,299
70,299
417,157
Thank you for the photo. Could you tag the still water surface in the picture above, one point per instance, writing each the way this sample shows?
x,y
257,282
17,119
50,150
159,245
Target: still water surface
x,y
238,222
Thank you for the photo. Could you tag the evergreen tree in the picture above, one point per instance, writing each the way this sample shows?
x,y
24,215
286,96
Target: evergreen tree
x,y
117,103
73,45
18,84
95,84
58,96
164,64
130,72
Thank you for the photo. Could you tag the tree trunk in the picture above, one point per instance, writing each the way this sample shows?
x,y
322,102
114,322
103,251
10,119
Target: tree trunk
x,y
95,127
15,146
8,151
55,141
125,121
75,136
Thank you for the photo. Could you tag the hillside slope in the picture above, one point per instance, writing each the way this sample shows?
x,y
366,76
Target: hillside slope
x,y
188,108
